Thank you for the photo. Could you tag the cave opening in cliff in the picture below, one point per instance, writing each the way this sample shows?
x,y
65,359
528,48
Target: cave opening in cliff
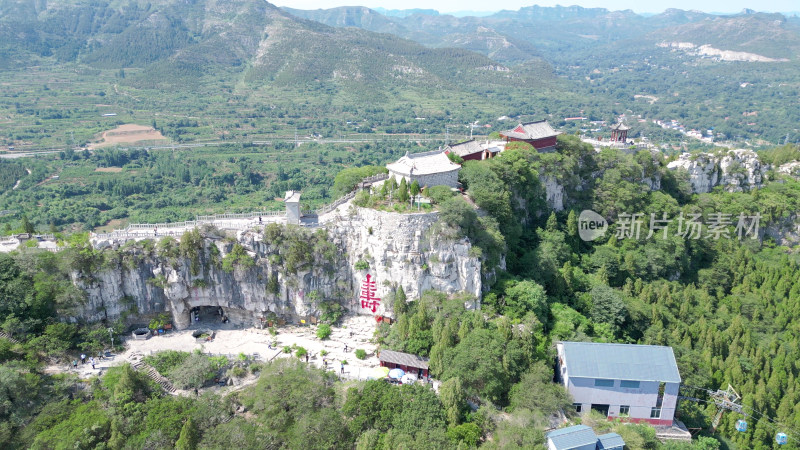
x,y
208,315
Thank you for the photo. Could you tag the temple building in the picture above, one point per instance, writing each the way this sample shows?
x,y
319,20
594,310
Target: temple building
x,y
428,169
619,132
472,150
539,134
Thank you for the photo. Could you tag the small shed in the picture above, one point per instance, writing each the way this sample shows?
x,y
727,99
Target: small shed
x,y
578,437
413,364
610,441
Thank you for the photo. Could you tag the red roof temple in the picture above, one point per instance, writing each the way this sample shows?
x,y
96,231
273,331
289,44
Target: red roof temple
x,y
539,134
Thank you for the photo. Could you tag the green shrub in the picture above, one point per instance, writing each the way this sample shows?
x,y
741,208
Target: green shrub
x,y
324,331
287,349
361,265
194,372
300,352
237,372
361,353
166,360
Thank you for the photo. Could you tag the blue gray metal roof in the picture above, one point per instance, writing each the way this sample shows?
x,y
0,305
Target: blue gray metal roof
x,y
572,437
610,441
621,362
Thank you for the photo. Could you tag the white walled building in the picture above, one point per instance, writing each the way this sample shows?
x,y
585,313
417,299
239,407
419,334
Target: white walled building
x,y
633,382
428,169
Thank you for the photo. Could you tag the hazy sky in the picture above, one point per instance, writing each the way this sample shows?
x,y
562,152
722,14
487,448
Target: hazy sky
x,y
483,5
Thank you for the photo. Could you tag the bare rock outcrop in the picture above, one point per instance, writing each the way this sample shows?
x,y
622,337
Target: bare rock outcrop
x,y
734,170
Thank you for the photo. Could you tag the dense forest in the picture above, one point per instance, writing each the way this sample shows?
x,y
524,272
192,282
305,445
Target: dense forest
x,y
725,305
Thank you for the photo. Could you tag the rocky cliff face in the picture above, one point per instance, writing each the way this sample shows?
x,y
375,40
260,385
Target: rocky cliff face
x,y
735,170
291,272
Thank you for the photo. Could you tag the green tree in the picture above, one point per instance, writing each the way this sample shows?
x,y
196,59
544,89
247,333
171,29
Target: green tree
x,y
454,400
400,305
402,191
414,189
189,436
523,297
27,226
324,331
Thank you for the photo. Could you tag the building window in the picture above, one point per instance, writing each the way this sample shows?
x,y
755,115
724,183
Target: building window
x,y
655,413
604,383
577,406
629,384
625,410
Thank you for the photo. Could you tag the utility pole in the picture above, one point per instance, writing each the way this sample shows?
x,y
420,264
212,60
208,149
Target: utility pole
x,y
296,143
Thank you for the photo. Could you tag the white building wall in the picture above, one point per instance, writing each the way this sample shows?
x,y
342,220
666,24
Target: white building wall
x,y
552,446
293,213
640,400
436,179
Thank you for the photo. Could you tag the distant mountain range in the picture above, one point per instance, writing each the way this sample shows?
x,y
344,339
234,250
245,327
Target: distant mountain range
x,y
172,39
535,31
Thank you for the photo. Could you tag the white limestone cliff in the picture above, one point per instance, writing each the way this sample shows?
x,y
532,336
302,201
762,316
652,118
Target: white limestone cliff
x,y
734,170
400,250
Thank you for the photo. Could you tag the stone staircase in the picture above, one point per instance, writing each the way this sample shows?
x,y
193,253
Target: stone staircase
x,y
5,335
140,366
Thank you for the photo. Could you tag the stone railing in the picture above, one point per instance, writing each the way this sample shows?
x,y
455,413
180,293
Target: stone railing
x,y
349,196
250,215
231,221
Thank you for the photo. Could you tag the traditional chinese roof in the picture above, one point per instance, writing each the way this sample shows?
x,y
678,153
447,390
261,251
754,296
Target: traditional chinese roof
x,y
531,131
403,359
423,164
619,126
572,437
465,148
292,197
621,362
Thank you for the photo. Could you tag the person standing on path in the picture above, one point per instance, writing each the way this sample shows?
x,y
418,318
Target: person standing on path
x,y
75,364
83,358
91,360
345,348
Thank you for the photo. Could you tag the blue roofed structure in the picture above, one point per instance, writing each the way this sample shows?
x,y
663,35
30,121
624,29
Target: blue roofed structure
x,y
610,441
578,437
621,362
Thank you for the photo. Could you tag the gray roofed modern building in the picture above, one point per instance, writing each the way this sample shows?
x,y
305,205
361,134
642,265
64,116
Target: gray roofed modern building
x,y
429,169
621,361
632,382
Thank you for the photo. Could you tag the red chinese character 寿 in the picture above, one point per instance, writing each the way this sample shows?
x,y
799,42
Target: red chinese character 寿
x,y
368,299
